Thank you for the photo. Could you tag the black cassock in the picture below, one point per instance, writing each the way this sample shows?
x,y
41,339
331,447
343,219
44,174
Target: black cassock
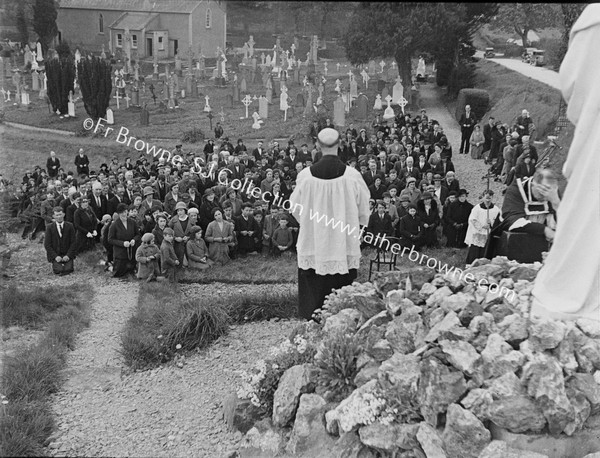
x,y
313,288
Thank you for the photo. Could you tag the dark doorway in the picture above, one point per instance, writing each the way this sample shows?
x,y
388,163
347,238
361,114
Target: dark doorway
x,y
175,46
149,51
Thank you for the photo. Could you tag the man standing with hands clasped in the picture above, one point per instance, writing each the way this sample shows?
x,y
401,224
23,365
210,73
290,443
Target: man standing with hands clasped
x,y
328,258
467,123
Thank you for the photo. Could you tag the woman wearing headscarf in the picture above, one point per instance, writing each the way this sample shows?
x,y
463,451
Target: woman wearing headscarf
x,y
209,204
85,223
219,235
476,142
124,236
429,215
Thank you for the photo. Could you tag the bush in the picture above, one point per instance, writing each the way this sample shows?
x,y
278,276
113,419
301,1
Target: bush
x,y
193,135
336,361
513,51
479,100
33,308
246,308
24,428
461,77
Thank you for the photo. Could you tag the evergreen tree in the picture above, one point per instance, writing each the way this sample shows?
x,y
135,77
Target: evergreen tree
x,y
61,78
44,21
95,81
22,24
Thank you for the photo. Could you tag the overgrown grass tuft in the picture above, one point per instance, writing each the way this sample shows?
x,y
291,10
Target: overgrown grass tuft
x,y
31,375
164,319
31,309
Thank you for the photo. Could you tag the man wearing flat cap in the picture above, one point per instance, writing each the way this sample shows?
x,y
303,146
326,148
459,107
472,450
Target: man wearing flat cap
x,y
327,257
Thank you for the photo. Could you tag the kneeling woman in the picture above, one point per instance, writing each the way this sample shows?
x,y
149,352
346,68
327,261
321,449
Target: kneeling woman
x,y
219,234
196,251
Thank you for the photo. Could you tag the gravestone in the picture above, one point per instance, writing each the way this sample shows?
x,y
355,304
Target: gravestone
x,y
35,82
362,106
308,108
339,112
372,67
28,55
110,117
236,91
135,97
378,105
263,107
353,89
144,116
380,85
194,87
297,74
385,92
300,100
24,98
397,91
230,100
269,95
188,85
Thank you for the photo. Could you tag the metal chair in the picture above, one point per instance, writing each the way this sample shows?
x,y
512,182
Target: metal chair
x,y
384,257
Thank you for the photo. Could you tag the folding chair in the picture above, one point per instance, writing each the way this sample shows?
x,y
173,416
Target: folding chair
x,y
384,257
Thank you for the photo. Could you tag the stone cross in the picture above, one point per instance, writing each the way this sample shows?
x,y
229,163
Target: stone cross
x,y
127,99
117,96
207,108
222,115
388,99
394,64
7,96
350,75
402,102
382,64
366,78
293,48
338,85
247,101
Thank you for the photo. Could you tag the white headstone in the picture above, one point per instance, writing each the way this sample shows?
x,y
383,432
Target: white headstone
x,y
382,65
110,118
421,69
338,86
378,105
337,66
353,89
263,107
24,98
257,120
402,102
397,91
207,108
39,57
71,107
247,101
339,112
325,68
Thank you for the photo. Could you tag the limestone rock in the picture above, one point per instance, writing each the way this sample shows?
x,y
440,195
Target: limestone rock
x,y
387,281
467,314
461,355
496,347
483,325
389,437
382,350
565,354
402,373
478,401
457,333
294,382
430,441
523,272
547,334
517,414
343,417
500,449
581,410
308,426
376,320
586,385
240,414
367,373
591,328
545,384
438,297
490,271
413,324
457,302
513,328
493,298
464,435
346,321
438,387
499,310
399,338
480,262
427,290
454,282
261,440
435,315
450,321
506,386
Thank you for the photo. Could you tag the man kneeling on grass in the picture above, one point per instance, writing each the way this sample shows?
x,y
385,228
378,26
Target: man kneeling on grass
x,y
282,237
59,243
148,258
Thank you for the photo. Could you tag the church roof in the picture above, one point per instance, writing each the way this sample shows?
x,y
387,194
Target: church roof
x,y
147,6
133,21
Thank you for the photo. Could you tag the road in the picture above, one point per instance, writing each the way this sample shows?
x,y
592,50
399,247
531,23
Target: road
x,y
541,74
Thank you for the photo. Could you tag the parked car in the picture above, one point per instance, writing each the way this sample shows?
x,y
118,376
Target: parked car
x,y
538,58
489,53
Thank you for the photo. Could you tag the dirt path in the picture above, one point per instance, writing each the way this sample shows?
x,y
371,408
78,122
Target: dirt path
x,y
469,172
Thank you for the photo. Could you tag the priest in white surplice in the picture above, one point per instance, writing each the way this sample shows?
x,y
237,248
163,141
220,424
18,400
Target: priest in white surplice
x,y
568,285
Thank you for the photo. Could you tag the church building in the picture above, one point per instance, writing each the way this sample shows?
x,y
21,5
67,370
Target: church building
x,y
146,27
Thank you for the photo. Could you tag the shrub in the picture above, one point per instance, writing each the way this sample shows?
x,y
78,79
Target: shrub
x,y
61,77
336,361
33,308
24,427
479,100
461,77
63,49
95,80
273,304
513,51
193,135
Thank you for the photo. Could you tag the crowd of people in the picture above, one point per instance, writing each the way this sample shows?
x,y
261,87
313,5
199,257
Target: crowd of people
x,y
154,218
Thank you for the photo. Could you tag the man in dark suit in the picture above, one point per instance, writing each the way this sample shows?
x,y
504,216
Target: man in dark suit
x,y
444,166
258,151
161,187
372,173
487,134
52,165
82,163
383,165
75,203
246,229
116,200
441,192
238,169
59,243
129,191
380,224
467,124
98,202
409,171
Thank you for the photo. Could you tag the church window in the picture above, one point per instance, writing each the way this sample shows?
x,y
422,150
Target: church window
x,y
208,18
101,24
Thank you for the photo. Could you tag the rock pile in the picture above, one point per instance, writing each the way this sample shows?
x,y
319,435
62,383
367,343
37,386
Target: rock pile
x,y
456,357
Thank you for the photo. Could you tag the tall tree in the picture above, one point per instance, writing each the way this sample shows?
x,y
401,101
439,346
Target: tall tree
x,y
44,21
524,17
570,12
61,77
23,24
94,76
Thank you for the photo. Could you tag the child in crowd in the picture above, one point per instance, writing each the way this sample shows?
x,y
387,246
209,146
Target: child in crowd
x,y
258,216
169,259
161,224
196,250
148,259
269,227
106,222
282,237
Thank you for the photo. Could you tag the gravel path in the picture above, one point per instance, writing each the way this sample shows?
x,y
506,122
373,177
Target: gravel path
x,y
469,172
162,412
